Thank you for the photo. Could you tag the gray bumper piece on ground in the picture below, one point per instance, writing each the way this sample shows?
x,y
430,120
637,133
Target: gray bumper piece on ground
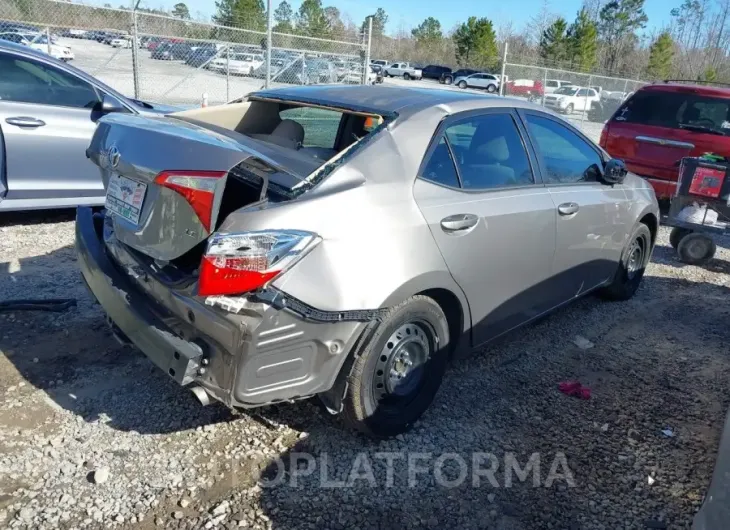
x,y
715,511
261,355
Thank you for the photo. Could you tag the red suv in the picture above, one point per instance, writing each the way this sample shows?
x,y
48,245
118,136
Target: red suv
x,y
659,124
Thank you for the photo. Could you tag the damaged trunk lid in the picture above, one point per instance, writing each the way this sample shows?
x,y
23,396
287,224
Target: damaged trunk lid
x,y
171,181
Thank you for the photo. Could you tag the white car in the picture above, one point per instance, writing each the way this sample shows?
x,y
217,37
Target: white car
x,y
571,98
121,43
551,85
39,41
404,70
488,82
238,64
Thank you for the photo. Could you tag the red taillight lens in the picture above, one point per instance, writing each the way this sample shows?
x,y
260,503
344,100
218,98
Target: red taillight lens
x,y
240,263
197,187
604,136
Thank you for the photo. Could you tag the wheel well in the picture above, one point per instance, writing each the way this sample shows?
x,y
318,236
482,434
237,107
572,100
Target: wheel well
x,y
451,307
652,223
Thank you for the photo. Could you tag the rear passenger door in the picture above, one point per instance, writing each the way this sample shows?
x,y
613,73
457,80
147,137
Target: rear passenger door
x,y
490,216
590,231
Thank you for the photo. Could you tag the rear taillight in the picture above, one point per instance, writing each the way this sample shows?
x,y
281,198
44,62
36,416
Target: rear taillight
x,y
197,187
244,262
604,136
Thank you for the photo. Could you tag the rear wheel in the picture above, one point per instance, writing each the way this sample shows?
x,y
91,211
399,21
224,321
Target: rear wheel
x,y
462,84
676,235
448,80
631,269
696,249
406,76
491,89
398,371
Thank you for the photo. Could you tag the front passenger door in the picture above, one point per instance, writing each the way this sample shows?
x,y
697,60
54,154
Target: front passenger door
x,y
493,222
590,231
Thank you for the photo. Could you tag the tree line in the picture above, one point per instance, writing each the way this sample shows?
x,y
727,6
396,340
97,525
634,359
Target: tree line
x,y
609,37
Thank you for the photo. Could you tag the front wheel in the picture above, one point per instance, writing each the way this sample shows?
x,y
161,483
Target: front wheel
x,y
398,370
631,269
569,109
462,84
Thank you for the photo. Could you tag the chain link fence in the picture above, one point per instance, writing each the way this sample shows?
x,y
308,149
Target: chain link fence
x,y
587,100
171,60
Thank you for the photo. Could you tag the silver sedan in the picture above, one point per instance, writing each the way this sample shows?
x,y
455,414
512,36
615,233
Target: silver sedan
x,y
344,242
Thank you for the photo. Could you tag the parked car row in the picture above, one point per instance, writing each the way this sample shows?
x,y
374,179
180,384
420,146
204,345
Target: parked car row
x,y
37,41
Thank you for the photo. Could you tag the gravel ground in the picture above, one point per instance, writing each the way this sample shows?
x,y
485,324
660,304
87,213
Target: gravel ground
x,y
93,436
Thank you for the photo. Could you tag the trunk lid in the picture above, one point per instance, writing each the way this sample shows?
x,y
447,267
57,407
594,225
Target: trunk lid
x,y
140,148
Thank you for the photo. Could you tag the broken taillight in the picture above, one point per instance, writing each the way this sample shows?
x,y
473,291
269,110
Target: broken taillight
x,y
197,187
244,262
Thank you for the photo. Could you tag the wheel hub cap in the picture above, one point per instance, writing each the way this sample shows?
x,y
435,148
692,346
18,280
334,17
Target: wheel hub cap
x,y
636,259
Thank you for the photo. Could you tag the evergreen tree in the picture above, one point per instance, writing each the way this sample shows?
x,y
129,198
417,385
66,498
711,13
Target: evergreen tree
x,y
246,14
554,42
476,43
661,55
583,42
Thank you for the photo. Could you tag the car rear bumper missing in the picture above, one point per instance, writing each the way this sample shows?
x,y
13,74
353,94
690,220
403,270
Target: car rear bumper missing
x,y
249,355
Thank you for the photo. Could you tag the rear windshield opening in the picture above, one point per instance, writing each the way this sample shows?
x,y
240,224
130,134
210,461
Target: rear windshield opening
x,y
318,132
677,110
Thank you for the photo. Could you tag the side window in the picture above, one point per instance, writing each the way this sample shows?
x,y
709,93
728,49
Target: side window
x,y
489,152
582,93
320,126
440,167
552,84
566,157
26,81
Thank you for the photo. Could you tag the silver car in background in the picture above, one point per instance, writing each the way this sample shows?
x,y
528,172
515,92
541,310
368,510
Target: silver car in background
x,y
344,241
48,113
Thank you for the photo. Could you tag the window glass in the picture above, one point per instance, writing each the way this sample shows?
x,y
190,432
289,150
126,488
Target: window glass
x,y
565,156
440,167
320,125
677,110
26,81
552,84
489,152
582,93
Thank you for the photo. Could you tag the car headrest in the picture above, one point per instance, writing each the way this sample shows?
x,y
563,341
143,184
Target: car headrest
x,y
290,130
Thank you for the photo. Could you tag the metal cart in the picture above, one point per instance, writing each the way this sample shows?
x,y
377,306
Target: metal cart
x,y
699,208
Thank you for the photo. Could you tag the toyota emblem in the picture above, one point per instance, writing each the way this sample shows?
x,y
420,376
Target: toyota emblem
x,y
113,156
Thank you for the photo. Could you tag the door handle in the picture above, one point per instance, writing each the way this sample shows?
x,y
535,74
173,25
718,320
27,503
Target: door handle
x,y
459,222
568,208
25,121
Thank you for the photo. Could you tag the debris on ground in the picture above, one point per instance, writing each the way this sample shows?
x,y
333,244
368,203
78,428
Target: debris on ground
x,y
575,389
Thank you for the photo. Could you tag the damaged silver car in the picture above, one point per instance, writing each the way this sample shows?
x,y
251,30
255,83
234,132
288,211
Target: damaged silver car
x,y
345,241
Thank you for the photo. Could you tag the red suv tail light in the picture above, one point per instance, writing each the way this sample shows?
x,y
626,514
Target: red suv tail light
x,y
244,262
197,187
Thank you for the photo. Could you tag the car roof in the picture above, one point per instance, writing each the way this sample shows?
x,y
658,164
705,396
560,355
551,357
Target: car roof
x,y
688,88
384,100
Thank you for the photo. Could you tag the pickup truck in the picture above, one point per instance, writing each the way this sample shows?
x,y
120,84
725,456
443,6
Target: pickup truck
x,y
404,70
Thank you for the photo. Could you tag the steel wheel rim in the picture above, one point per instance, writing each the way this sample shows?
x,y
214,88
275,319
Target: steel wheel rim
x,y
401,364
697,248
636,259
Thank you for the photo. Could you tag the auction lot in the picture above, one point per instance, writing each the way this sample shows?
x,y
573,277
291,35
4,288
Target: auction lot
x,y
92,435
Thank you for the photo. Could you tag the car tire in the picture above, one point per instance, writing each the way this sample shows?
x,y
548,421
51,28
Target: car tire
x,y
676,235
379,404
407,76
462,84
569,109
491,89
448,80
696,249
631,268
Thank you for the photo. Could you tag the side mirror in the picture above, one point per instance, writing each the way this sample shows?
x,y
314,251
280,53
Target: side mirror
x,y
614,172
111,104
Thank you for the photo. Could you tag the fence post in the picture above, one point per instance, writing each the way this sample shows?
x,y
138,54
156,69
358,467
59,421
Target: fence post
x,y
504,66
544,85
366,66
626,85
228,73
269,25
585,103
135,55
48,40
